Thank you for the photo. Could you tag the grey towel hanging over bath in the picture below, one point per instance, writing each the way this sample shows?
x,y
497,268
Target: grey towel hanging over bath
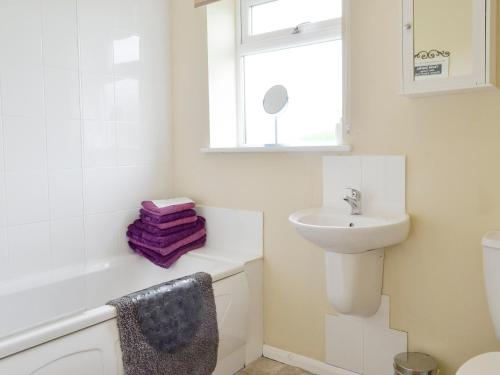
x,y
169,329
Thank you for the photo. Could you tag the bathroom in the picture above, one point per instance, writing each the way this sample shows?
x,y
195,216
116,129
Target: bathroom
x,y
108,103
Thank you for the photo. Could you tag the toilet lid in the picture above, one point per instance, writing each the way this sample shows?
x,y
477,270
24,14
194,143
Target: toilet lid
x,y
485,364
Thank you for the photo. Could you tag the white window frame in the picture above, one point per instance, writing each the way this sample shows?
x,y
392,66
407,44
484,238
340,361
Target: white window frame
x,y
310,33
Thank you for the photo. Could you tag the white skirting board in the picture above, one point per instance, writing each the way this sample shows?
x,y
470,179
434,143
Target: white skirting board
x,y
305,363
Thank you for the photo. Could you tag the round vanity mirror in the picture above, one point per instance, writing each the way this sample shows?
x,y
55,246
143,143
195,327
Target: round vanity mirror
x,y
275,99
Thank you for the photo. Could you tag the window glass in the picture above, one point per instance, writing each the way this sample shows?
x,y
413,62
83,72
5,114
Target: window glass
x,y
282,14
312,75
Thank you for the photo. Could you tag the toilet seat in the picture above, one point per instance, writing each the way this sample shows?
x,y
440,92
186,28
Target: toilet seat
x,y
484,364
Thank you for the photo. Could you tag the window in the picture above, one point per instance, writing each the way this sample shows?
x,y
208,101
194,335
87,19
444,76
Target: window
x,y
297,44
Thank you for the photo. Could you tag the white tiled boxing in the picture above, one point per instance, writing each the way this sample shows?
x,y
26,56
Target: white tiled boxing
x,y
365,346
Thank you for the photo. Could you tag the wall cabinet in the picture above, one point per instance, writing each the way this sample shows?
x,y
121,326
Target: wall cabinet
x,y
448,45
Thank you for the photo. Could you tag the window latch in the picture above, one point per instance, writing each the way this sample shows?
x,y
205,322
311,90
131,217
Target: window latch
x,y
298,29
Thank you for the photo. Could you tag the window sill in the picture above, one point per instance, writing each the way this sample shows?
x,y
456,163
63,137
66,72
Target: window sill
x,y
278,149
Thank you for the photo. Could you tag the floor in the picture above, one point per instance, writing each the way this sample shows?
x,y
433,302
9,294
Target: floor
x,y
266,366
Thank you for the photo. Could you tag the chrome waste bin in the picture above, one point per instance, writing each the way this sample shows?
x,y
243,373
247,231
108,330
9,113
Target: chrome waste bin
x,y
415,364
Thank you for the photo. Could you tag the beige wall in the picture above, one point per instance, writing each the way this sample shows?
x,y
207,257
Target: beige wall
x,y
453,19
453,148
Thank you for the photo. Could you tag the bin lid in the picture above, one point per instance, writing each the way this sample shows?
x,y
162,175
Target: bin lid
x,y
492,240
415,364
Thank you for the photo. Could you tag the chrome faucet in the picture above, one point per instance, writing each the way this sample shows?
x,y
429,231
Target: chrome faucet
x,y
354,200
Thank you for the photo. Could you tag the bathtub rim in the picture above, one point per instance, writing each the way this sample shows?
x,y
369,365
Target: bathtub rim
x,y
58,328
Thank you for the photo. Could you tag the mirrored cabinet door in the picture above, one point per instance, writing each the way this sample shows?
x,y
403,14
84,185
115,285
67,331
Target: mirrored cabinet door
x,y
448,45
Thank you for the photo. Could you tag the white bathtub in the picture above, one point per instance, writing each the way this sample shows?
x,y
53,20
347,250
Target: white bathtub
x,y
81,336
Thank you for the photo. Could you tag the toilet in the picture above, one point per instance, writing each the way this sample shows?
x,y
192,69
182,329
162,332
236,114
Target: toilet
x,y
489,363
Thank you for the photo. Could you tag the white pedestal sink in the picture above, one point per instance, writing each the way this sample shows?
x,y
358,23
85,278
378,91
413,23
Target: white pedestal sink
x,y
354,254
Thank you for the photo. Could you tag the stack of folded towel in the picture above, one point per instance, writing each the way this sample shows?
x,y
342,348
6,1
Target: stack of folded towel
x,y
166,230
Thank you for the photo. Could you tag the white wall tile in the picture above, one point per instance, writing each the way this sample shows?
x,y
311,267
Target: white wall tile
x,y
101,189
4,256
373,182
163,142
151,14
62,93
99,144
98,13
96,49
383,184
127,97
98,97
160,180
102,234
66,194
153,97
3,201
67,242
29,249
339,173
27,197
60,39
144,143
22,91
96,19
128,15
344,343
127,54
64,143
2,139
380,348
139,183
20,33
124,219
134,144
25,143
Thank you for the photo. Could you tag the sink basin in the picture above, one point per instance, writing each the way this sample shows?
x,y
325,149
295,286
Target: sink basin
x,y
354,254
349,234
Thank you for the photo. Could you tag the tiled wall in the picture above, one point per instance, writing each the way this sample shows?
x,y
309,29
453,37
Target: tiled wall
x,y
84,130
381,180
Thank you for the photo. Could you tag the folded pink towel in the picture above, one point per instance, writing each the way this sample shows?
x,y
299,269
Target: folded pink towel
x,y
149,217
138,234
168,260
186,220
163,251
168,206
153,230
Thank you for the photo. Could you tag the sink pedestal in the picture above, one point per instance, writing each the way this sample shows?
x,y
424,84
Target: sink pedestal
x,y
354,281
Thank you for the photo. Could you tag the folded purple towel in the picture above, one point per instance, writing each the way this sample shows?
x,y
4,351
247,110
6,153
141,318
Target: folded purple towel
x,y
168,206
168,260
165,250
155,230
153,218
136,233
175,223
